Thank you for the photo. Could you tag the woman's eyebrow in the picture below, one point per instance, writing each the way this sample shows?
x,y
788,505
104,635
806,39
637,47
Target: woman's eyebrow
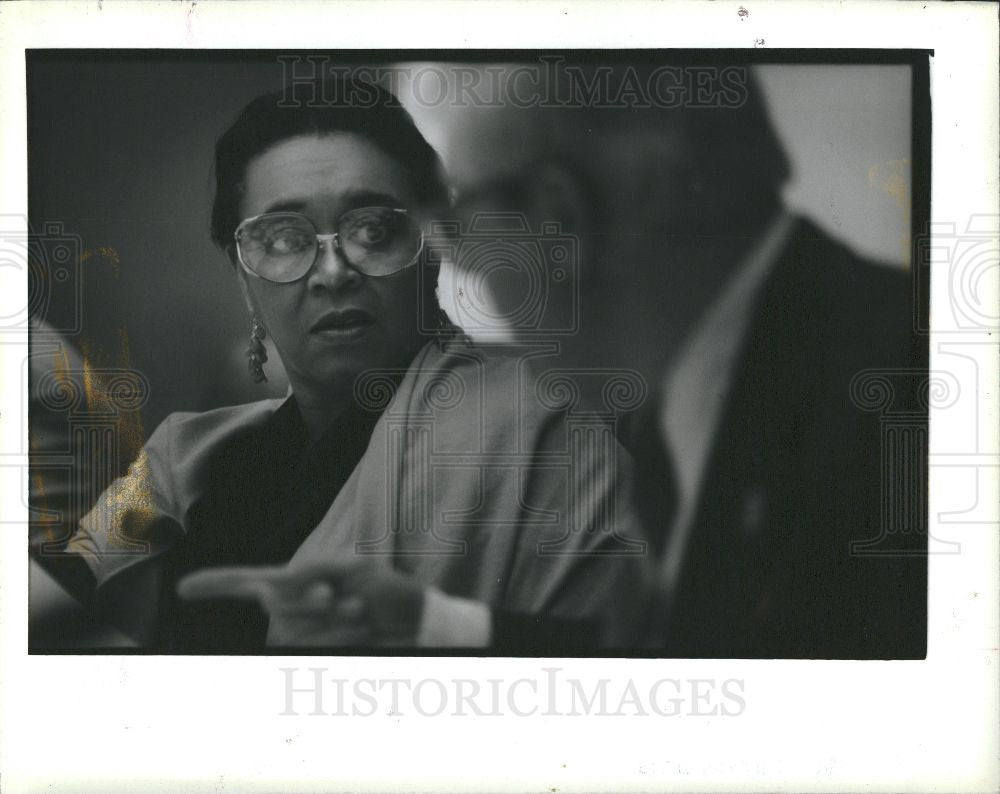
x,y
352,199
288,205
369,198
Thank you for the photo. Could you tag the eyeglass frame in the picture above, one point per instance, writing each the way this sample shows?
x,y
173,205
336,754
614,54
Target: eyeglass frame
x,y
320,239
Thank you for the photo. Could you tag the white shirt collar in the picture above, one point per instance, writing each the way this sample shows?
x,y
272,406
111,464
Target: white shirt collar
x,y
695,387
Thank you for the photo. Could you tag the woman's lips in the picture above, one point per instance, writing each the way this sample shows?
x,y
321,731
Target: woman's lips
x,y
343,325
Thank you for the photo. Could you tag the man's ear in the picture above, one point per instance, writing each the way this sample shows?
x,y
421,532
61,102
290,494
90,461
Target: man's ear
x,y
558,196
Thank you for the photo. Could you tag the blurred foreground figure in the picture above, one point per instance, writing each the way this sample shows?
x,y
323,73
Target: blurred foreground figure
x,y
776,357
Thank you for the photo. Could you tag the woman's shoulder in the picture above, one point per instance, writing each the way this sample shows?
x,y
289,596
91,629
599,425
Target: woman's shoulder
x,y
241,413
489,391
187,432
459,371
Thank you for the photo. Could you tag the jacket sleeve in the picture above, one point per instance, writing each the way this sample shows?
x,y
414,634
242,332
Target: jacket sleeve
x,y
136,518
142,514
589,571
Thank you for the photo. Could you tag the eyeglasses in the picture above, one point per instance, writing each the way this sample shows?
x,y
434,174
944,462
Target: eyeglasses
x,y
283,246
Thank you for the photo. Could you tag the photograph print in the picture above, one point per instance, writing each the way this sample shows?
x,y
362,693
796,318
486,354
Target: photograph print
x,y
506,353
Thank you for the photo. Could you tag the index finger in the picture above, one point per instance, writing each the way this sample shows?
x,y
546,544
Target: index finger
x,y
246,582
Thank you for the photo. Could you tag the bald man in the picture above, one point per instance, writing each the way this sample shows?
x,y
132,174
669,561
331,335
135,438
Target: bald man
x,y
762,472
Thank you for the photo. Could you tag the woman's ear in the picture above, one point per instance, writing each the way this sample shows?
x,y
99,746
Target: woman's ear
x,y
233,258
241,277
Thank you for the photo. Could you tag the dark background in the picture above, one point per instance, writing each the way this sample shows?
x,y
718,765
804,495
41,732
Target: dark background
x,y
120,154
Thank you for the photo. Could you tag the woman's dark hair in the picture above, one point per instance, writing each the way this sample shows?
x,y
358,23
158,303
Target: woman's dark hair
x,y
337,104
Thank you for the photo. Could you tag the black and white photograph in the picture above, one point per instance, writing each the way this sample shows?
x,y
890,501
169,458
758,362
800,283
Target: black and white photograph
x,y
360,364
579,380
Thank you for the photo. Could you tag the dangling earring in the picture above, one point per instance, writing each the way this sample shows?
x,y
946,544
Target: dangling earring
x,y
256,352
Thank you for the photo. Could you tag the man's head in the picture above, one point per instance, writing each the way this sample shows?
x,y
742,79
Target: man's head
x,y
664,198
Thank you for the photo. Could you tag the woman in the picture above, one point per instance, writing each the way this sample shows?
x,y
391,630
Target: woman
x,y
412,490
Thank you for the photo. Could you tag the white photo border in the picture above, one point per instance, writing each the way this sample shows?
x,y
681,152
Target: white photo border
x,y
214,723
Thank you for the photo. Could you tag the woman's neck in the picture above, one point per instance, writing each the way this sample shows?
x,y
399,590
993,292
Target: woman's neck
x,y
320,407
319,412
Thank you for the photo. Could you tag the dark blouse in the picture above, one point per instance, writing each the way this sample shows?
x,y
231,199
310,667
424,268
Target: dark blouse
x,y
265,491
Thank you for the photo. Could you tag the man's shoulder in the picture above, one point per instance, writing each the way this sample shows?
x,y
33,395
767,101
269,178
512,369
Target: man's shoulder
x,y
835,287
837,267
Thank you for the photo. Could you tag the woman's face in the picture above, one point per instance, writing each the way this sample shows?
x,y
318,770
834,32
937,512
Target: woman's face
x,y
333,323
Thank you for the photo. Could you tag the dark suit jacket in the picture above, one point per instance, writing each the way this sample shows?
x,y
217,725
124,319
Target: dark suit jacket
x,y
810,536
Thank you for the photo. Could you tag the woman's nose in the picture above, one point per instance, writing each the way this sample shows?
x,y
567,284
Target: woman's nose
x,y
331,271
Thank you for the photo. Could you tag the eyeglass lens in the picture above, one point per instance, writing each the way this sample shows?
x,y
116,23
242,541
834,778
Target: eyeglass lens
x,y
377,241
